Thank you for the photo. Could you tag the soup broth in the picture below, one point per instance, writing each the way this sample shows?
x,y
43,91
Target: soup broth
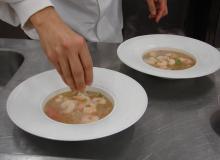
x,y
78,107
168,59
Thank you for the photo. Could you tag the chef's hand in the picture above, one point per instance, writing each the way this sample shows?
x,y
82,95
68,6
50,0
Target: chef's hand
x,y
66,49
157,9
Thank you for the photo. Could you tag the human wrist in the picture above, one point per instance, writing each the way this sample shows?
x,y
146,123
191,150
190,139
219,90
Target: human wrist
x,y
43,17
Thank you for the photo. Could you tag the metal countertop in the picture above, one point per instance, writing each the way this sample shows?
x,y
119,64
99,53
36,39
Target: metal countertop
x,y
182,121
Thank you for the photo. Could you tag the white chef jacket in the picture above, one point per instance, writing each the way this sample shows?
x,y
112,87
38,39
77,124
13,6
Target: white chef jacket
x,y
96,20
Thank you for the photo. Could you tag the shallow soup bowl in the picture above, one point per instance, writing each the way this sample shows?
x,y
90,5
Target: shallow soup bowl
x,y
207,57
26,102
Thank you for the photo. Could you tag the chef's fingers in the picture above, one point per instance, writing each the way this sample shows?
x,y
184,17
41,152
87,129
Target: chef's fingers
x,y
66,71
152,8
77,70
161,11
87,64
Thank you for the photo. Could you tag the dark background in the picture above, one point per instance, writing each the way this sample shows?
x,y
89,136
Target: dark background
x,y
197,19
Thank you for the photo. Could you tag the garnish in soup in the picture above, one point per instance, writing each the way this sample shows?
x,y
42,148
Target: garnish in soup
x,y
168,59
78,107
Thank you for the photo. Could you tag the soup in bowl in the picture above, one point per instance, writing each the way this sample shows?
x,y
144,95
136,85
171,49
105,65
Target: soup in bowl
x,y
169,59
74,107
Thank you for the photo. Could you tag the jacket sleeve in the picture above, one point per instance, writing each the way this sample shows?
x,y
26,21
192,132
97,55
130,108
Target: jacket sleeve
x,y
17,12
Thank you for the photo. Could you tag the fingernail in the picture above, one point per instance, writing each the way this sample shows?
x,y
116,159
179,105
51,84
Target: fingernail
x,y
73,88
89,83
80,87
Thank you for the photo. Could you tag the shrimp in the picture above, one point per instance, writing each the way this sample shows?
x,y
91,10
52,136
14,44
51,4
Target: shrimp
x,y
182,59
81,97
99,100
152,54
171,61
161,58
162,64
151,60
186,60
189,61
89,118
89,109
68,106
59,99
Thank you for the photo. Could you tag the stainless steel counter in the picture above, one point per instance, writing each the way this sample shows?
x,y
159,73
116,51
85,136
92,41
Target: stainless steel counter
x,y
182,121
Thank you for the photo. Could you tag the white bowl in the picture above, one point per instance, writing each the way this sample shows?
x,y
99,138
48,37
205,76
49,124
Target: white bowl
x,y
26,101
207,57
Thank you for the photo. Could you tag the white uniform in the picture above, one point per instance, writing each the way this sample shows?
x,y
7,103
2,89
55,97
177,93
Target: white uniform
x,y
96,20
